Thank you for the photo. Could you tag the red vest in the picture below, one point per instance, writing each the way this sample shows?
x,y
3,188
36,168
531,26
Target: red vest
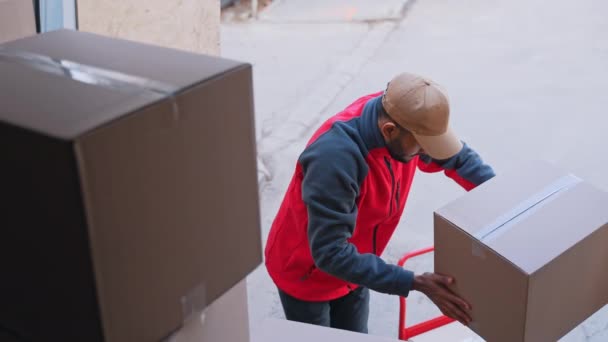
x,y
380,204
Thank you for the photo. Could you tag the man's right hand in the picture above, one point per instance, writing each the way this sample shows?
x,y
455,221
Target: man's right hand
x,y
436,287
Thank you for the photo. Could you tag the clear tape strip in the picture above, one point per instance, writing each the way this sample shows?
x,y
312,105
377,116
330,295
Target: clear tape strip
x,y
87,74
478,250
194,302
194,305
508,220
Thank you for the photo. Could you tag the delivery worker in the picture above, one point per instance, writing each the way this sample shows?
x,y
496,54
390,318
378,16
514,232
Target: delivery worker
x,y
346,197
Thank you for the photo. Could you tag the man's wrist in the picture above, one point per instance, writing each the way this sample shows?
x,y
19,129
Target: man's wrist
x,y
418,283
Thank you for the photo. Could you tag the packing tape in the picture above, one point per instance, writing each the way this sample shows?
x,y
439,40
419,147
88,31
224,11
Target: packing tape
x,y
194,305
477,249
525,208
92,75
194,302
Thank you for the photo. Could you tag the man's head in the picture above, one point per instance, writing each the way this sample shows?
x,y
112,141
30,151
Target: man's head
x,y
416,119
400,142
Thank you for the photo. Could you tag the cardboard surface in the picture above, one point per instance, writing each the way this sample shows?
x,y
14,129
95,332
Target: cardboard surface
x,y
16,19
129,210
525,279
95,105
226,319
279,330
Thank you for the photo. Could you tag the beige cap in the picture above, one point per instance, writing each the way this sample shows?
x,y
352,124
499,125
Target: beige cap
x,y
419,105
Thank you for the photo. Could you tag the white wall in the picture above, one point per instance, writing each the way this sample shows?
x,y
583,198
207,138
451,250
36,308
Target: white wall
x,y
191,25
16,20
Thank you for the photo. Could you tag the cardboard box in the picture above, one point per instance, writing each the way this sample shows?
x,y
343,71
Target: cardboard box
x,y
16,19
528,250
280,330
129,188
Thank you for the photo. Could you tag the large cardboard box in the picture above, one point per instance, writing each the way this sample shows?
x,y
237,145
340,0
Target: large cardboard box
x,y
129,190
528,250
17,19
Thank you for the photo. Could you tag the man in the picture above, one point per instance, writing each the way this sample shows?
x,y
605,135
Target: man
x,y
346,197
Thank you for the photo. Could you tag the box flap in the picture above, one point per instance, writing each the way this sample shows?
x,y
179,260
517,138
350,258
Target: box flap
x,y
551,229
175,67
485,205
82,80
63,108
526,207
530,215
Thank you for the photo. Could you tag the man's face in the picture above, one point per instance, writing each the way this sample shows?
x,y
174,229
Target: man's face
x,y
403,146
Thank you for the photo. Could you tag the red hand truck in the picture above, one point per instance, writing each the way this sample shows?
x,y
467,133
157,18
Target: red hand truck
x,y
405,332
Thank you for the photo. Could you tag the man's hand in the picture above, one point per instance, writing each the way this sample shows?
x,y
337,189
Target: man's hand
x,y
436,287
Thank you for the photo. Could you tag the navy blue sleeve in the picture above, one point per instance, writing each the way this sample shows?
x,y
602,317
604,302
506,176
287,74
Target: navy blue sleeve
x,y
466,167
333,172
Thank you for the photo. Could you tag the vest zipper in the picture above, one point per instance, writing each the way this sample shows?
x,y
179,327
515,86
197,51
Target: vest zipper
x,y
397,194
374,239
390,170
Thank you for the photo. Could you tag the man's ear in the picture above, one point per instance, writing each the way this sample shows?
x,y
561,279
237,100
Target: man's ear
x,y
388,130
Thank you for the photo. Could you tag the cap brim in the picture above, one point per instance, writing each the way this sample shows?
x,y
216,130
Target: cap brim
x,y
441,146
